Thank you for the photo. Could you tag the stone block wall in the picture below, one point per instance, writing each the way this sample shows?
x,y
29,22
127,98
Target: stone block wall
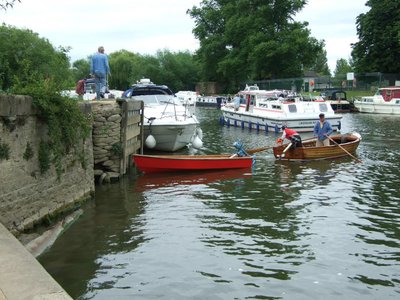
x,y
27,196
107,116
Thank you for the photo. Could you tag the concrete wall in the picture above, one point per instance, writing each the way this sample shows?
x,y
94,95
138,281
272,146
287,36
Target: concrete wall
x,y
26,195
21,276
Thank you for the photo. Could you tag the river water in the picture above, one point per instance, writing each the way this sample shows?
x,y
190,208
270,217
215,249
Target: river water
x,y
317,230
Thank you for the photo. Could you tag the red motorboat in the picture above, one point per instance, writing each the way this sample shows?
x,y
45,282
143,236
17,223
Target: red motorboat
x,y
177,163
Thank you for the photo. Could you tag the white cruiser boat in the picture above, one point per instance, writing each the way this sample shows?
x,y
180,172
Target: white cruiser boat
x,y
385,101
187,97
210,101
269,110
168,124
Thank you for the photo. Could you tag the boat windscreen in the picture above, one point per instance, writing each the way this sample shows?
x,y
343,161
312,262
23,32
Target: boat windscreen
x,y
323,107
157,99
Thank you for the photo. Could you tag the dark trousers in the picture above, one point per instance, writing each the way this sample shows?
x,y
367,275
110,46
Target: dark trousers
x,y
296,141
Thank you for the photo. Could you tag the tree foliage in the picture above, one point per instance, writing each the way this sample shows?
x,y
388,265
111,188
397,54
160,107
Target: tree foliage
x,y
81,69
253,39
320,65
378,48
5,4
178,70
22,51
342,67
125,69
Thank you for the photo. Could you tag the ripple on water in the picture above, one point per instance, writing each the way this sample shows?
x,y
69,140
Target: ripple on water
x,y
326,229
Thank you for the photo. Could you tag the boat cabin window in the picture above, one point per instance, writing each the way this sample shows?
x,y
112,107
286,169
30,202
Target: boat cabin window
x,y
397,101
274,106
292,108
323,107
388,95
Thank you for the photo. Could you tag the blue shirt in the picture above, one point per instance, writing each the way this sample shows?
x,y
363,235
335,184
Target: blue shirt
x,y
99,64
320,131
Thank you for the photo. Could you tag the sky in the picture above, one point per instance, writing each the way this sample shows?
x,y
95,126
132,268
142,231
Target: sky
x,y
147,26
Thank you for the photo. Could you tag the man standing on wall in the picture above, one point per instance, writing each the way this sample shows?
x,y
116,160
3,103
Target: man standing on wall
x,y
99,69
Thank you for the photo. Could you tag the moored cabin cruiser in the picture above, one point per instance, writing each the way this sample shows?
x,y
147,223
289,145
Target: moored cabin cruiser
x,y
187,97
168,125
270,110
385,101
338,100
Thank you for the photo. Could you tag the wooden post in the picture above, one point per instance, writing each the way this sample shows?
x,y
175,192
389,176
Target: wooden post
x,y
131,131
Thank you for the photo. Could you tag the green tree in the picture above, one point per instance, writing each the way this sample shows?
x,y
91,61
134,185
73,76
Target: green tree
x,y
252,39
23,52
178,70
81,69
5,4
320,65
125,69
378,48
342,67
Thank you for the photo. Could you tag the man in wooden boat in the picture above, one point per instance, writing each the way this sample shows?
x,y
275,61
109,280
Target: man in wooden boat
x,y
292,136
236,102
322,130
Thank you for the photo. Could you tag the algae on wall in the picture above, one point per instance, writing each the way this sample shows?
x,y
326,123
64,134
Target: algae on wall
x,y
27,195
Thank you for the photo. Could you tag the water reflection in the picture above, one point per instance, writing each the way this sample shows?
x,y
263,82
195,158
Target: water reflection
x,y
315,230
158,180
90,247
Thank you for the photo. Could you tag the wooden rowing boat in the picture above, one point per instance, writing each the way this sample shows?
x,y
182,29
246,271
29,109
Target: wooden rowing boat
x,y
177,163
340,145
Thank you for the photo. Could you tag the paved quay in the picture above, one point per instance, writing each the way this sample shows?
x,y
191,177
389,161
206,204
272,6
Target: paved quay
x,y
22,277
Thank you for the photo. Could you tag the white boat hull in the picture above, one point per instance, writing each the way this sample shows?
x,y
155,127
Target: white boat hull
x,y
383,108
168,124
385,101
172,135
273,121
210,101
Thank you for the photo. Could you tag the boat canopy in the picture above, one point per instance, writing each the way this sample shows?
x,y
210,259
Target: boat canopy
x,y
389,93
145,87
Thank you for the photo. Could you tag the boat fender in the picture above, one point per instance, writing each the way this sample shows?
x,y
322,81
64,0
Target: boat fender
x,y
357,135
340,125
199,133
197,142
150,142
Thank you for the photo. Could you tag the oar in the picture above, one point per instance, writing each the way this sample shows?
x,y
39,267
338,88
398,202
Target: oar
x,y
252,151
351,155
284,151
